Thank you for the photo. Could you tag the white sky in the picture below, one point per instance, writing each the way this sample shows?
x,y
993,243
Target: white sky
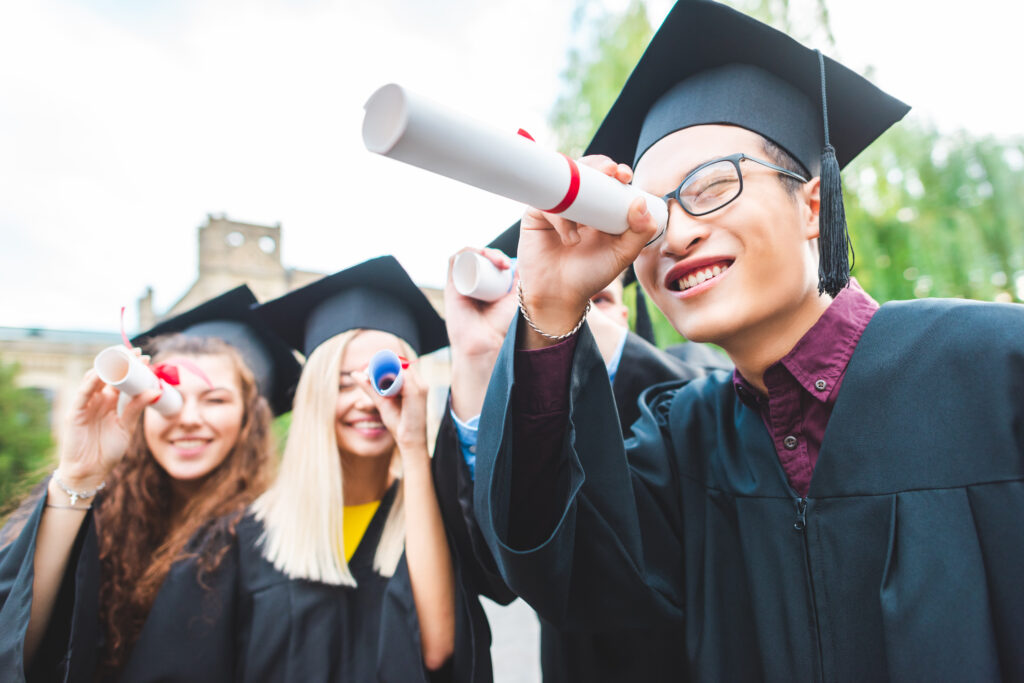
x,y
124,123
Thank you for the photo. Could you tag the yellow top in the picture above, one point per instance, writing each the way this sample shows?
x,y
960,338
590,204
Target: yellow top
x,y
356,520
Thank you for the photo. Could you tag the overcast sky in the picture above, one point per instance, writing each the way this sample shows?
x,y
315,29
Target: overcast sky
x,y
124,123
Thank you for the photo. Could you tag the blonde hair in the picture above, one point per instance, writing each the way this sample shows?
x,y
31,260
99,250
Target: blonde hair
x,y
303,511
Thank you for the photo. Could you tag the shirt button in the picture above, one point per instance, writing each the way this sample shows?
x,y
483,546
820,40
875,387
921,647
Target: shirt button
x,y
821,385
472,449
790,442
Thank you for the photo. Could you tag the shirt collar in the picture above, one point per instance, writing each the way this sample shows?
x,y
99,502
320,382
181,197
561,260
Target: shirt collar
x,y
820,358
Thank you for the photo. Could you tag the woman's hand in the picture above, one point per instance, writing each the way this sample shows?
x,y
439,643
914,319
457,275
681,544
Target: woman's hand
x,y
96,437
405,414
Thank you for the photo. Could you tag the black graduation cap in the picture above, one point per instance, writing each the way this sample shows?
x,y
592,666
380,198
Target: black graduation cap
x,y
375,295
710,64
230,317
508,241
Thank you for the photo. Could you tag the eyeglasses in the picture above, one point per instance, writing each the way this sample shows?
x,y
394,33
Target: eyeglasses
x,y
717,183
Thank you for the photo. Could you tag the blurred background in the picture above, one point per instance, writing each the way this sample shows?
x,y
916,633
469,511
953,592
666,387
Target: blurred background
x,y
156,154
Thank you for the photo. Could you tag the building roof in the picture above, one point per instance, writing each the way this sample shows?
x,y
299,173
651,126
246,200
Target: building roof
x,y
69,337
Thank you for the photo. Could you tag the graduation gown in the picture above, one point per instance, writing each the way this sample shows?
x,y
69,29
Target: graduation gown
x,y
903,562
248,622
609,655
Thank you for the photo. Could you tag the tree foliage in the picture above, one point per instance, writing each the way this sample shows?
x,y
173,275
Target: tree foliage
x,y
930,214
25,440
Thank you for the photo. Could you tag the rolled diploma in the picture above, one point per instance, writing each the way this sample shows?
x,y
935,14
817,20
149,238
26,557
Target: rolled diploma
x,y
404,126
385,371
476,277
118,367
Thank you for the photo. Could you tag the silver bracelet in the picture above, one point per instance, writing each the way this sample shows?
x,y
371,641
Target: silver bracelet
x,y
76,495
533,326
68,507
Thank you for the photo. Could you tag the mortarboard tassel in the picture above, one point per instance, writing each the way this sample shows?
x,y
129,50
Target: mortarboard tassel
x,y
834,247
644,327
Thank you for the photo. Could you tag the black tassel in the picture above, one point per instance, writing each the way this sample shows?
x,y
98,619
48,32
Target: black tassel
x,y
644,327
834,246
833,238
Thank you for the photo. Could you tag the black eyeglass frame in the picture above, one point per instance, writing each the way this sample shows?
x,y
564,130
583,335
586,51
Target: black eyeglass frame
x,y
735,159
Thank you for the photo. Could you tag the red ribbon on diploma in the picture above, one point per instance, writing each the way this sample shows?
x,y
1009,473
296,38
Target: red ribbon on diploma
x,y
574,181
168,372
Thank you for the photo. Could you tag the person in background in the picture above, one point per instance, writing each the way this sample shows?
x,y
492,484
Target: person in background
x,y
476,330
354,574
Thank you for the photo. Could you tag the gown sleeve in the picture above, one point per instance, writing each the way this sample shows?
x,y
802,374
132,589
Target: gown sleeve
x,y
590,539
454,487
68,651
400,658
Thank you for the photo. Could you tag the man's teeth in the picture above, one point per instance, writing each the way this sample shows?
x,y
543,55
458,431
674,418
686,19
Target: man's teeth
x,y
368,425
697,277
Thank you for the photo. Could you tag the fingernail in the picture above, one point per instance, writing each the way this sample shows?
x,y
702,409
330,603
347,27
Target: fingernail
x,y
574,237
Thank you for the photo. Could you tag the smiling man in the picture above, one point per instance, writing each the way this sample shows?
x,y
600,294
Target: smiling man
x,y
847,504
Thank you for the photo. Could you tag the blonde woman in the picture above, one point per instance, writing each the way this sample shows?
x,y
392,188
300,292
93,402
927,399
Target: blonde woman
x,y
356,564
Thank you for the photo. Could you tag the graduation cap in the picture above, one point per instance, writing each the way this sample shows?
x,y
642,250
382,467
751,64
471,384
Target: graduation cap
x,y
230,317
508,241
375,295
710,64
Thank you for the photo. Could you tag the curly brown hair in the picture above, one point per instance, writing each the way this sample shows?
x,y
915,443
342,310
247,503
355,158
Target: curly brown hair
x,y
138,542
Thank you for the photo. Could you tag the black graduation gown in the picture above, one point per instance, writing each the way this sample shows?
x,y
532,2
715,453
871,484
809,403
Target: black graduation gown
x,y
249,623
641,654
700,355
903,563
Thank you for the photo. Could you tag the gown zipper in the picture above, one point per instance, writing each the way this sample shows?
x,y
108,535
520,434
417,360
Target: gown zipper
x,y
800,526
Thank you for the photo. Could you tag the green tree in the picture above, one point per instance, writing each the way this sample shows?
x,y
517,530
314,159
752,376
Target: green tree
x,y
597,71
25,441
930,214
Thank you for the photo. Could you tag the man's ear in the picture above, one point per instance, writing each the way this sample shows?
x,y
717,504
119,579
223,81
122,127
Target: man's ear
x,y
810,206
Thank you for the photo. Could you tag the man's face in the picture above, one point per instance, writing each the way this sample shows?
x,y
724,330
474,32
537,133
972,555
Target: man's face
x,y
609,301
754,260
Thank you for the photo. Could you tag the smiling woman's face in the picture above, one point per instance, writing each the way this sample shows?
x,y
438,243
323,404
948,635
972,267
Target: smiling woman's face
x,y
749,266
357,425
193,443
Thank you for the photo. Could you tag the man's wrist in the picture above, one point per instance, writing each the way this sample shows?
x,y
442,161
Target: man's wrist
x,y
548,320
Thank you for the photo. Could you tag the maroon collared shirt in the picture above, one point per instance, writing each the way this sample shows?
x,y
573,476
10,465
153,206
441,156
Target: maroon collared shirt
x,y
804,384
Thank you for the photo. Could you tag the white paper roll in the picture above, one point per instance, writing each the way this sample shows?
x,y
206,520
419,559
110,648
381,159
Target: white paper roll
x,y
475,276
385,371
410,128
118,367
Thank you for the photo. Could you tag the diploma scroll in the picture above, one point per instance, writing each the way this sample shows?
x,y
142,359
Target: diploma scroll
x,y
385,371
404,126
118,367
476,277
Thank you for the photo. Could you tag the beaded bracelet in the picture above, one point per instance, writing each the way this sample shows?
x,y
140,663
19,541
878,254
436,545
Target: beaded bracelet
x,y
533,326
76,495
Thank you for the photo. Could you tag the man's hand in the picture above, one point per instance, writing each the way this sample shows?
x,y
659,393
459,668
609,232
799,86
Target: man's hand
x,y
563,264
476,330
